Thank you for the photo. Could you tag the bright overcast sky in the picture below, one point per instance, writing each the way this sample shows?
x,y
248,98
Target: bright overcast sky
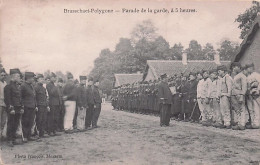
x,y
37,36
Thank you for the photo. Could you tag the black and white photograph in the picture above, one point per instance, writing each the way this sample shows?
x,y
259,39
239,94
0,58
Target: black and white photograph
x,y
129,82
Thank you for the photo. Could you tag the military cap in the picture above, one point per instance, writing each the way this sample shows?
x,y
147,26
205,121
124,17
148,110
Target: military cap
x,y
60,80
69,75
97,80
192,73
14,71
29,75
244,67
163,76
250,65
90,79
47,77
53,75
203,71
2,70
82,78
213,70
234,64
39,76
222,67
76,81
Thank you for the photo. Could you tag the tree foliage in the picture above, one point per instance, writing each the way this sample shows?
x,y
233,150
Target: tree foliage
x,y
247,18
227,49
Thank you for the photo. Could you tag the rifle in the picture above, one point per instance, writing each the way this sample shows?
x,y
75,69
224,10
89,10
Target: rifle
x,y
193,109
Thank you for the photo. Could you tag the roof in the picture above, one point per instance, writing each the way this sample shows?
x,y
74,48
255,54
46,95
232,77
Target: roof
x,y
248,39
127,78
172,67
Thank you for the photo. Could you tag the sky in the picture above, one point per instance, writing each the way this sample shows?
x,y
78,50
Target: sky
x,y
38,36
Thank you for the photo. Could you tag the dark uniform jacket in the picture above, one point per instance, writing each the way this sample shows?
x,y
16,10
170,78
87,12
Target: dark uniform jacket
x,y
53,94
12,95
28,95
192,90
41,95
90,95
164,92
81,96
70,90
96,95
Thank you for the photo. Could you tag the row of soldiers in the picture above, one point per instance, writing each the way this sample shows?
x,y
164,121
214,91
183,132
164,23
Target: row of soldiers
x,y
43,106
221,97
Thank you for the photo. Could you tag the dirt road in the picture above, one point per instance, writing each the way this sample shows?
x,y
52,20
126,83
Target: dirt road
x,y
126,138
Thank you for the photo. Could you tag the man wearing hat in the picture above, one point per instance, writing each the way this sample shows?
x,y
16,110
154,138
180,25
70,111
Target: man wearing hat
x,y
239,90
70,96
165,101
30,105
62,108
224,95
207,112
253,99
81,103
3,115
54,104
199,90
184,96
193,112
42,105
12,99
213,96
90,103
97,104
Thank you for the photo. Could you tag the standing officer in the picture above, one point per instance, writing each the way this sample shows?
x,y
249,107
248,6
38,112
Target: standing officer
x,y
90,103
12,98
42,105
28,97
193,107
61,111
54,103
97,105
165,101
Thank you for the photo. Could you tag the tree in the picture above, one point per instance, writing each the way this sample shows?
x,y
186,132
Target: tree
x,y
145,30
208,52
247,18
160,49
227,49
194,51
176,51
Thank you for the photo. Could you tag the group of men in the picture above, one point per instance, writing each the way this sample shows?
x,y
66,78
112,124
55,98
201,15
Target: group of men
x,y
43,106
221,97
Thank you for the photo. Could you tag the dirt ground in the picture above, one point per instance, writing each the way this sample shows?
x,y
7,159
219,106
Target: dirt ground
x,y
127,138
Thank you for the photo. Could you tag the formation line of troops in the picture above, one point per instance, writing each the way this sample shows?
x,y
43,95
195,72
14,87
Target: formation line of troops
x,y
222,97
33,106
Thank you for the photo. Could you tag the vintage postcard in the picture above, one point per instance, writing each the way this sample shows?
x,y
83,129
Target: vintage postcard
x,y
129,82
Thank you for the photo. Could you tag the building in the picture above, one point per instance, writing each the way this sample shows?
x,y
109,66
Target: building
x,y
121,79
249,50
155,68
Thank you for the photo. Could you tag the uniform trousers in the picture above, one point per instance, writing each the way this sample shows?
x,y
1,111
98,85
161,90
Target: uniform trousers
x,y
165,114
41,117
96,114
53,118
70,107
3,117
215,105
28,119
207,112
238,104
254,110
225,110
13,122
89,114
81,115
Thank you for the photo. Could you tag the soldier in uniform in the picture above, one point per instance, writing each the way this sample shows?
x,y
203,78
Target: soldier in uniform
x,y
184,95
253,99
42,105
61,106
193,111
70,97
165,101
28,97
3,115
199,92
224,95
12,99
238,93
176,98
90,103
54,103
97,104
